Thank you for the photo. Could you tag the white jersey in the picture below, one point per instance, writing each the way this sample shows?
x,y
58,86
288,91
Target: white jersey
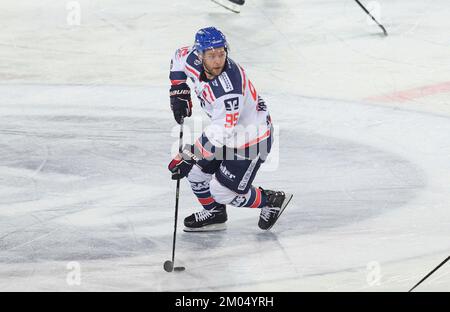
x,y
239,117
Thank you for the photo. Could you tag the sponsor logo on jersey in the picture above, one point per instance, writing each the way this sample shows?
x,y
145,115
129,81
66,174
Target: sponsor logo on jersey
x,y
232,104
227,173
248,174
238,201
200,186
226,82
214,83
261,107
197,62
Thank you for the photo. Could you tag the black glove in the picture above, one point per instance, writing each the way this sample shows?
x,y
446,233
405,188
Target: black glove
x,y
180,101
182,164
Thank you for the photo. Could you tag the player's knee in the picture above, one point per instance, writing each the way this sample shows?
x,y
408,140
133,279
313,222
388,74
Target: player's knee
x,y
220,193
197,175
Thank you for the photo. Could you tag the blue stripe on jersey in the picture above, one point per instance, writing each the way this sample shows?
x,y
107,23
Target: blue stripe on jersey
x,y
252,198
193,61
203,148
207,144
177,75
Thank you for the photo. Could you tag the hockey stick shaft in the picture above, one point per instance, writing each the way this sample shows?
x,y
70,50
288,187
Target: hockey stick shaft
x,y
373,18
428,275
177,195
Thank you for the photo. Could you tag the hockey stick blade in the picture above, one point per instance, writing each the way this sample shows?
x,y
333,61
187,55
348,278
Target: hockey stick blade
x,y
179,269
168,267
371,16
384,29
227,5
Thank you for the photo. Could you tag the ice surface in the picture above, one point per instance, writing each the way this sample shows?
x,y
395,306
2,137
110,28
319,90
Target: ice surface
x,y
86,134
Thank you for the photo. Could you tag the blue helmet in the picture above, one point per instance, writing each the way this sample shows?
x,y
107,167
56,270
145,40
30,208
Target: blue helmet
x,y
209,38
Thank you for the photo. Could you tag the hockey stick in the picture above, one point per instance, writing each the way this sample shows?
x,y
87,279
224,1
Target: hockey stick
x,y
169,265
229,5
365,10
426,276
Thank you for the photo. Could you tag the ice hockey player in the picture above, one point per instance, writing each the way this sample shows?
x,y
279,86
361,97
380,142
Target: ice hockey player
x,y
232,5
223,162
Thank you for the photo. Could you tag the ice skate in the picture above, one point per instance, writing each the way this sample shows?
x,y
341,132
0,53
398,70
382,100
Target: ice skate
x,y
276,203
207,220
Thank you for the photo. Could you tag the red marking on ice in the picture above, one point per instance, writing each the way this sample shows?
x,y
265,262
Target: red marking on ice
x,y
411,94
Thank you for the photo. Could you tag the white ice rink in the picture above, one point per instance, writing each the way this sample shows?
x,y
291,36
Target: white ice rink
x,y
86,134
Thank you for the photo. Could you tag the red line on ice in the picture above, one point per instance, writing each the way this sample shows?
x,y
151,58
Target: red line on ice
x,y
411,94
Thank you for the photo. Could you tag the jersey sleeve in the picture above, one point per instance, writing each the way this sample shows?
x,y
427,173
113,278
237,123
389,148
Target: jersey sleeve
x,y
177,73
